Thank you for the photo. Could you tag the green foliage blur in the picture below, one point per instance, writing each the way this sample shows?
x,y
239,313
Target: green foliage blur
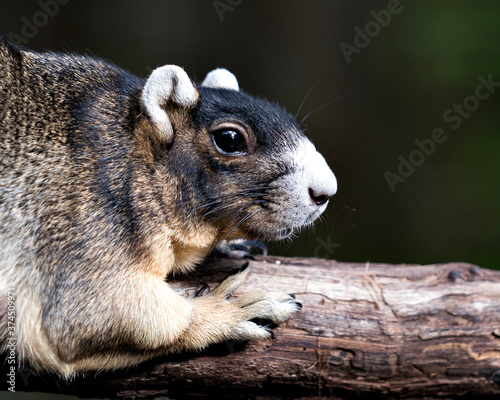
x,y
370,103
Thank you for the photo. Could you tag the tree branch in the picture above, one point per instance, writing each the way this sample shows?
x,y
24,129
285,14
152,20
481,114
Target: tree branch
x,y
374,330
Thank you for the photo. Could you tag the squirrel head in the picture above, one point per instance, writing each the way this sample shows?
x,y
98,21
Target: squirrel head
x,y
241,163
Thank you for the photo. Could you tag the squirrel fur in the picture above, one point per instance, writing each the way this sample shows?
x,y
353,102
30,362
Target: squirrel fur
x,y
109,183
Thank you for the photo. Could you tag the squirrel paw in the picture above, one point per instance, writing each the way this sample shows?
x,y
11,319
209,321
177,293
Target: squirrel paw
x,y
239,248
237,318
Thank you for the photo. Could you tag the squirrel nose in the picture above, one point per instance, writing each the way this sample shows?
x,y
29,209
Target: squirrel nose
x,y
323,184
320,197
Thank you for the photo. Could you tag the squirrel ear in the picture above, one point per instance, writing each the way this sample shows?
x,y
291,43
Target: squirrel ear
x,y
220,78
167,83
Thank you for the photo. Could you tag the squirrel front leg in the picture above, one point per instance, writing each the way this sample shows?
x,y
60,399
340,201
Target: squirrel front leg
x,y
154,320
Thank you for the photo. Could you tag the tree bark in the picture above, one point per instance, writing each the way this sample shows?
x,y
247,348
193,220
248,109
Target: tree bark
x,y
365,330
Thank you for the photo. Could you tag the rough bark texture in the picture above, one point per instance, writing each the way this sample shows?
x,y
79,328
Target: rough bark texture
x,y
365,330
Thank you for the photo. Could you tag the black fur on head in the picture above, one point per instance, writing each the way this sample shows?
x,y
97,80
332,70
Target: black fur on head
x,y
273,126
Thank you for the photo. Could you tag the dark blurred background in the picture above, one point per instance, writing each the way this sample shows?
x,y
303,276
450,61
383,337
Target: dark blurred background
x,y
380,75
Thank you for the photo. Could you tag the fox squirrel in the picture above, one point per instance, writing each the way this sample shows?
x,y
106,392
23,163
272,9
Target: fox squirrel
x,y
110,182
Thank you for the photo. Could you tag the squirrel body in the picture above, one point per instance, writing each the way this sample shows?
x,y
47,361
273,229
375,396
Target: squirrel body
x,y
109,183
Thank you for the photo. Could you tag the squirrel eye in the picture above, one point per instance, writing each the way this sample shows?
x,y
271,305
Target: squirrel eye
x,y
230,141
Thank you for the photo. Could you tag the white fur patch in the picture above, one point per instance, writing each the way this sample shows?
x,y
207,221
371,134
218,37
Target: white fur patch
x,y
311,173
169,82
316,170
220,78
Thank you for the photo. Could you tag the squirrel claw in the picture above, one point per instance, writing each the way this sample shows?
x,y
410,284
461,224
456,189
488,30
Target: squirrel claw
x,y
240,248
